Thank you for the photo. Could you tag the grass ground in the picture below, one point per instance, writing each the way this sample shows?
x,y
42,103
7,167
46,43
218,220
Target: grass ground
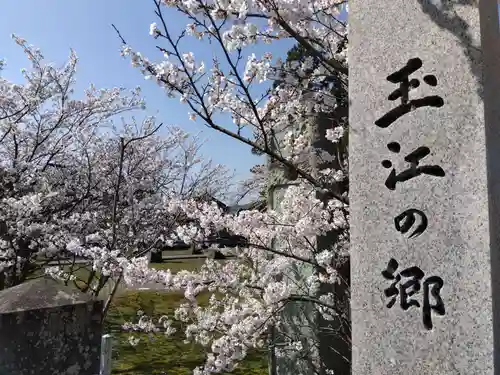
x,y
163,355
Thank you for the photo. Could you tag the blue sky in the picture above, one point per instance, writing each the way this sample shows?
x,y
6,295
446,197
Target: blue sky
x,y
55,26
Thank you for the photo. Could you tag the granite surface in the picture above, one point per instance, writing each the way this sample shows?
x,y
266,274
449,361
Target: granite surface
x,y
461,207
49,329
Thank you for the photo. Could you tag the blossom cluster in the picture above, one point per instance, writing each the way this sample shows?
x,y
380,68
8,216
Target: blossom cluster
x,y
275,106
75,184
248,291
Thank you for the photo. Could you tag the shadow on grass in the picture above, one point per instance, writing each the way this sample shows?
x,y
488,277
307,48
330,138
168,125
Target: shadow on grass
x,y
179,265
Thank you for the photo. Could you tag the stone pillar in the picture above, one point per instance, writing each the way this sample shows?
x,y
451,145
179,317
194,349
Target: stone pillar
x,y
302,320
334,336
106,354
299,318
47,328
424,186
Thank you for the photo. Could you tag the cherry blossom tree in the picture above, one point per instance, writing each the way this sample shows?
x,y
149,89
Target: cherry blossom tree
x,y
294,112
69,172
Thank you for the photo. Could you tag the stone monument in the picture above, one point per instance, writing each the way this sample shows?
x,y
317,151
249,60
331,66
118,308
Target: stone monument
x,y
47,328
302,320
424,186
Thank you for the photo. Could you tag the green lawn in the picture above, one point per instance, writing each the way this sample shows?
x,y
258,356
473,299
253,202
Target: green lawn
x,y
164,355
